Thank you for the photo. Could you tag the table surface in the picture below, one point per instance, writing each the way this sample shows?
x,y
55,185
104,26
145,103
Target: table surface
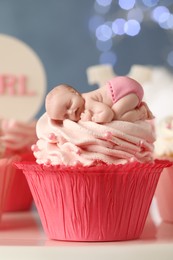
x,y
22,237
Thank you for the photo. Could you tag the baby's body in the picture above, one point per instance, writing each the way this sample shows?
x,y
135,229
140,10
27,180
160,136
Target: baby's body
x,y
119,99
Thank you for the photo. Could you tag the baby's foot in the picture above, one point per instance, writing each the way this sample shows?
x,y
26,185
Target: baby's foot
x,y
146,111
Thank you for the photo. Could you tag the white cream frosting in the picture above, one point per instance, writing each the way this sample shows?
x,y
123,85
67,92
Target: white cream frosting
x,y
89,143
164,138
17,136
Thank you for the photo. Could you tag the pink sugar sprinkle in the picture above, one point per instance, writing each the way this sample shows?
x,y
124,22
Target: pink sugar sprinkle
x,y
108,135
34,148
48,162
141,143
132,159
52,137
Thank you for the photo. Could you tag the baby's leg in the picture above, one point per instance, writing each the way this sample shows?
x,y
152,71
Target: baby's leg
x,y
140,113
124,105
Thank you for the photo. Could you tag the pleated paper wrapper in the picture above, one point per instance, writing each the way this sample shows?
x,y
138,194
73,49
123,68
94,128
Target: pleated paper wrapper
x,y
164,195
101,203
19,197
7,171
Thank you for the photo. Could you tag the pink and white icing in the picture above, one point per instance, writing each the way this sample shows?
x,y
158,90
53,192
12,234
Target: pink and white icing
x,y
17,136
163,147
88,143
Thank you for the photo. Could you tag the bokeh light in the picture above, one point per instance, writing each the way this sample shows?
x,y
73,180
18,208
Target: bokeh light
x,y
115,21
158,13
150,3
103,32
126,4
170,22
132,27
108,58
135,13
118,26
101,9
104,2
104,46
94,22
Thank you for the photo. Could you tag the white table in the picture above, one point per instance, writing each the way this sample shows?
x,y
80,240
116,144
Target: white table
x,y
22,237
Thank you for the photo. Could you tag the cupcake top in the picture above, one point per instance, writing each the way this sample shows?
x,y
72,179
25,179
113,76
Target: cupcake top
x,y
67,137
88,143
164,138
16,136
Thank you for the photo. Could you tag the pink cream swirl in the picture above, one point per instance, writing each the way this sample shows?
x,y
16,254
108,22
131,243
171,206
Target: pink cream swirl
x,y
88,143
17,136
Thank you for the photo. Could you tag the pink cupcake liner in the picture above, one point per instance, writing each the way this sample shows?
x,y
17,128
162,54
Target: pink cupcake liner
x,y
19,197
102,203
7,171
164,195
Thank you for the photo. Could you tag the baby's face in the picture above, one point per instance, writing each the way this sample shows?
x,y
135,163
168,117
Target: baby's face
x,y
73,107
66,105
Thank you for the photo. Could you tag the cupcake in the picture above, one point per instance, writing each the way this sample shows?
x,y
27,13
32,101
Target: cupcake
x,y
93,182
6,178
164,149
22,92
16,138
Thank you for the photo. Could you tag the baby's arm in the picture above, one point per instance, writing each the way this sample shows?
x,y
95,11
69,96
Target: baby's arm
x,y
102,113
97,112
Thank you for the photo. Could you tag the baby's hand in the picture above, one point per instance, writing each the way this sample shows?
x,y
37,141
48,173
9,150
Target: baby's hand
x,y
86,116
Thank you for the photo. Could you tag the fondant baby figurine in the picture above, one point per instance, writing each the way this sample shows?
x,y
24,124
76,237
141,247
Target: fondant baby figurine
x,y
119,99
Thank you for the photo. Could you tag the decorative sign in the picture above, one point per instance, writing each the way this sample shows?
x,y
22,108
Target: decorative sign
x,y
157,83
22,80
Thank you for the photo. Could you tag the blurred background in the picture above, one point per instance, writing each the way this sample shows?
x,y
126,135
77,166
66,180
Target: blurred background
x,y
70,36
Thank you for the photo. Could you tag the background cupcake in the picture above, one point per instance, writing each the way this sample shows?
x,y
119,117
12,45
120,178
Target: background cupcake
x,y
6,177
94,183
164,149
158,89
22,89
17,138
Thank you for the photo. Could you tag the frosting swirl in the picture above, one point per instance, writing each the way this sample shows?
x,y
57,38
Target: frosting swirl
x,y
17,136
164,141
88,143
